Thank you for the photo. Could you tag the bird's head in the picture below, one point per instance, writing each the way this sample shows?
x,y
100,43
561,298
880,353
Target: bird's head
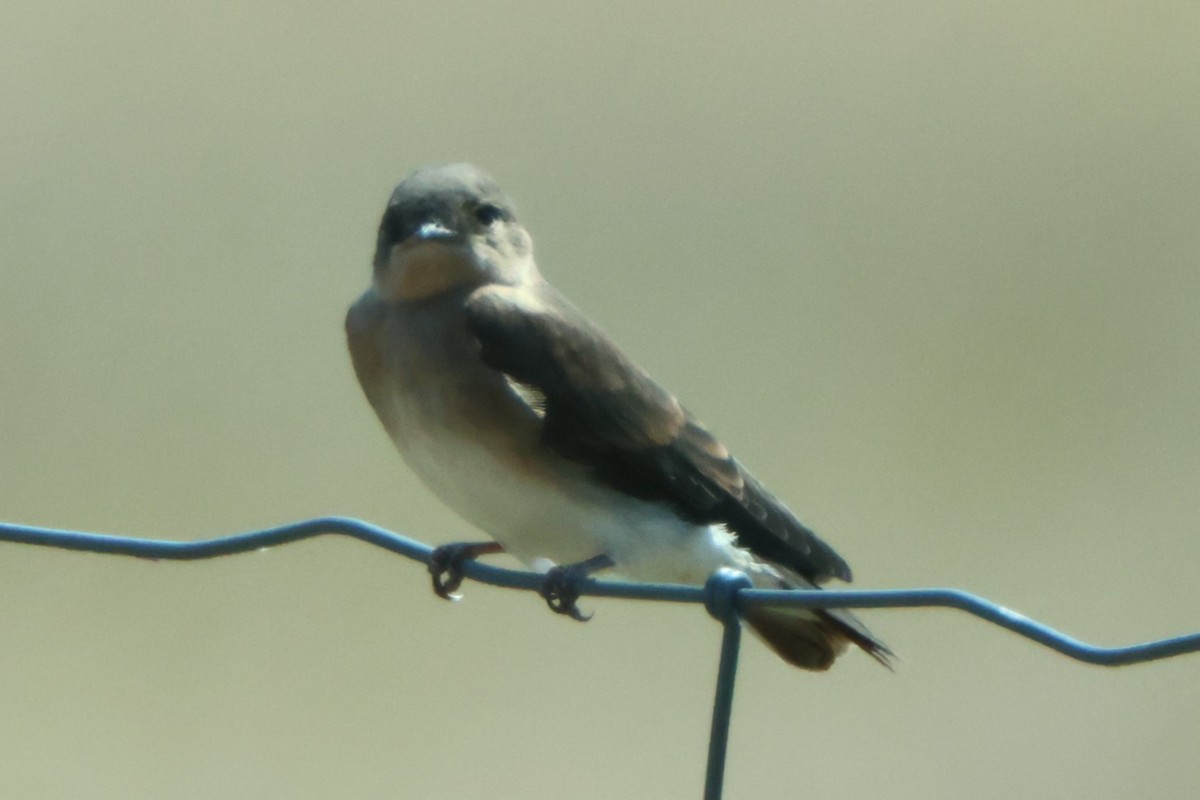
x,y
448,227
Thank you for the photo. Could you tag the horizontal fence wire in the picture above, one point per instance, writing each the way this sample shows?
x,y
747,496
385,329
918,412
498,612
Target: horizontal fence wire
x,y
726,595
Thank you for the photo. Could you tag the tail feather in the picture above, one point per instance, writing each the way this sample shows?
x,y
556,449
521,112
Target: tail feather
x,y
853,629
812,639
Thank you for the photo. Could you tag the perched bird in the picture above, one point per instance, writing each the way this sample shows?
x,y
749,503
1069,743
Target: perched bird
x,y
520,414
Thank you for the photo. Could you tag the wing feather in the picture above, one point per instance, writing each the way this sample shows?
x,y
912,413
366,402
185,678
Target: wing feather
x,y
603,410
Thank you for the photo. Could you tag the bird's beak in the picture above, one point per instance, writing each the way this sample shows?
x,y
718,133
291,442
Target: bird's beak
x,y
432,231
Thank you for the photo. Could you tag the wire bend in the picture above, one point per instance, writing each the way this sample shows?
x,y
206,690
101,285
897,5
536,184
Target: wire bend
x,y
994,613
725,594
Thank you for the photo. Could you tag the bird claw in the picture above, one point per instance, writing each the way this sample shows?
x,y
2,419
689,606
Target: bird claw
x,y
560,590
446,565
445,569
560,587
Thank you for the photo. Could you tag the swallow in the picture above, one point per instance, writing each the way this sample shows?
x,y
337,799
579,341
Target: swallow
x,y
526,419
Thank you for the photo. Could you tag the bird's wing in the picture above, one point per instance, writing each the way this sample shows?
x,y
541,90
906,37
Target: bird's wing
x,y
602,410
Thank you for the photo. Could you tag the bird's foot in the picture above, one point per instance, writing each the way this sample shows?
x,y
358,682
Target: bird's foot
x,y
560,589
446,564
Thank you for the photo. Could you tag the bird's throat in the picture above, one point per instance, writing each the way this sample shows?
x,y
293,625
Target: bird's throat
x,y
426,269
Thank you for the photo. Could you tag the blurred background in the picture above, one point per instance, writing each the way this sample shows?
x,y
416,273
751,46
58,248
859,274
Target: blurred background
x,y
929,269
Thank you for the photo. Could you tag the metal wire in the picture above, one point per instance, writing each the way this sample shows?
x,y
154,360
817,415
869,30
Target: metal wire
x,y
726,595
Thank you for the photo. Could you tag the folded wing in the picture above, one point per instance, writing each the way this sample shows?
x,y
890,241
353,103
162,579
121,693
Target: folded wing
x,y
602,410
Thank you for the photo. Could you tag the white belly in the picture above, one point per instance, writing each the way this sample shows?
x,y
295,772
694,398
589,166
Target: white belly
x,y
543,508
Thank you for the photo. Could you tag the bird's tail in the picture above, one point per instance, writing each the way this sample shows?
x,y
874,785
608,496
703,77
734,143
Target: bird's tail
x,y
812,638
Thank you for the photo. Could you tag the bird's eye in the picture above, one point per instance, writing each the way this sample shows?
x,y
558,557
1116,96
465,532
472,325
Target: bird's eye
x,y
488,214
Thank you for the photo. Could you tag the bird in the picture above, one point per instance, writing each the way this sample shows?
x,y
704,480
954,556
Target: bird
x,y
520,414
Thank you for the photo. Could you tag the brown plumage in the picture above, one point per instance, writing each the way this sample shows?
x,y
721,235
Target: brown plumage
x,y
522,414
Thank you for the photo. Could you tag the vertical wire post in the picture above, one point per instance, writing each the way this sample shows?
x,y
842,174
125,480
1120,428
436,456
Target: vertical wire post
x,y
720,598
